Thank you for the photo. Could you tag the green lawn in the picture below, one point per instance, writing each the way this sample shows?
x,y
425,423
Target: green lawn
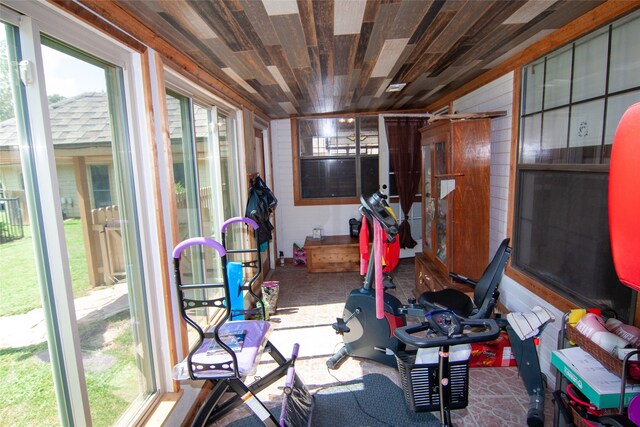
x,y
110,369
25,373
18,278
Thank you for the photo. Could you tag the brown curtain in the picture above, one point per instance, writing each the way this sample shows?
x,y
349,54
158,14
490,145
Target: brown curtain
x,y
406,160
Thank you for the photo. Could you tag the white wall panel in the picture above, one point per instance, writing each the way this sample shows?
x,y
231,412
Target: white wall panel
x,y
495,96
498,96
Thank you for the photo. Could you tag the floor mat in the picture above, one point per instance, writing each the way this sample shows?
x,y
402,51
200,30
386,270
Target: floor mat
x,y
373,401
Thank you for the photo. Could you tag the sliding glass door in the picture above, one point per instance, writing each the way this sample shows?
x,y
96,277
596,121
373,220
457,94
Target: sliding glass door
x,y
24,356
76,340
204,156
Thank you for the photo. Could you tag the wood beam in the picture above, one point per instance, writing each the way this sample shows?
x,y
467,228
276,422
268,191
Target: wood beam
x,y
91,244
152,65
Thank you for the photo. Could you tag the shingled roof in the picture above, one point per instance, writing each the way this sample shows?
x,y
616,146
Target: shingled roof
x,y
84,119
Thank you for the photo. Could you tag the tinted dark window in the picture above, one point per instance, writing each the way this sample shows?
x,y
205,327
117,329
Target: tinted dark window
x,y
338,157
563,237
100,186
328,178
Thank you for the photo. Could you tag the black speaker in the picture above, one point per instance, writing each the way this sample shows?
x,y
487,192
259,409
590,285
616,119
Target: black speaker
x,y
354,227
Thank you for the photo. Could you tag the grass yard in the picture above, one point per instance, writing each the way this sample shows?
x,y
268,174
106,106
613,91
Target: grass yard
x,y
18,278
110,370
108,352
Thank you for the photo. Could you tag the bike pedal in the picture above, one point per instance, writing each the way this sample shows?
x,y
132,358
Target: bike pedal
x,y
340,327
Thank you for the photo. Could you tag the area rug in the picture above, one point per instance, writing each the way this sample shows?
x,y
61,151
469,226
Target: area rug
x,y
372,401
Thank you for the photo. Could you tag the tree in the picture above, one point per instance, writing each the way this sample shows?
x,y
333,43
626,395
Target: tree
x,y
52,99
6,98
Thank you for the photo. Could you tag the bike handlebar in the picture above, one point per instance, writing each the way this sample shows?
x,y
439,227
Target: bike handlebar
x,y
456,335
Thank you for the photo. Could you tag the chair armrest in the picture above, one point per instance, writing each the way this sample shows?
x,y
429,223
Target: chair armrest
x,y
462,279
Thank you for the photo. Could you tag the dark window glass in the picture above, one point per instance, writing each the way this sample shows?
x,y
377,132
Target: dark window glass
x,y
328,178
178,174
563,237
369,175
393,189
100,186
338,157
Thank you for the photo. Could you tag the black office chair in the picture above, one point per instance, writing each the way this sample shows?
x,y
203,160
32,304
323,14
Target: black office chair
x,y
485,295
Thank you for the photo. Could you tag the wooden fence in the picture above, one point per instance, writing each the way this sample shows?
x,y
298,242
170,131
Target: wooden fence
x,y
106,225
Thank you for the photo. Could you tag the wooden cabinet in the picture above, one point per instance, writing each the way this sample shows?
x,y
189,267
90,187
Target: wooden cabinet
x,y
455,202
429,278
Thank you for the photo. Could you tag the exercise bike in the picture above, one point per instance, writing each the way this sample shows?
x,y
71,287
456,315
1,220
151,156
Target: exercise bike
x,y
368,337
365,336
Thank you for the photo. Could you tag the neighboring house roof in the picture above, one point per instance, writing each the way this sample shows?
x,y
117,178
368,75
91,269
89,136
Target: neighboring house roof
x,y
81,119
84,119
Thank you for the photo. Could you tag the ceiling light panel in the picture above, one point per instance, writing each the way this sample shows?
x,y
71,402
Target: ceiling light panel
x,y
347,16
389,54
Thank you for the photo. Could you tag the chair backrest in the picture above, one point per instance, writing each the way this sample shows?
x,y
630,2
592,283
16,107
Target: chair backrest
x,y
488,283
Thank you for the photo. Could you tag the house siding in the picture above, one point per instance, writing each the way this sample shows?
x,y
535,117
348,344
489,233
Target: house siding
x,y
68,192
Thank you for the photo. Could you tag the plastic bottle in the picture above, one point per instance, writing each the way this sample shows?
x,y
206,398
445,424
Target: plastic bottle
x,y
627,332
593,327
575,315
610,342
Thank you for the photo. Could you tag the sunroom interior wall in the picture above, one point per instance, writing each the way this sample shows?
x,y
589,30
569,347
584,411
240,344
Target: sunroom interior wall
x,y
294,223
498,96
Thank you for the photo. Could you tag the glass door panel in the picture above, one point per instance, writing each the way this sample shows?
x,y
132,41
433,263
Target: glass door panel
x,y
186,190
184,173
229,165
28,396
429,203
230,182
441,203
209,198
100,228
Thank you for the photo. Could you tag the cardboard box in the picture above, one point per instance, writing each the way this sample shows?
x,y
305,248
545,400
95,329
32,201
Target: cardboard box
x,y
596,382
492,353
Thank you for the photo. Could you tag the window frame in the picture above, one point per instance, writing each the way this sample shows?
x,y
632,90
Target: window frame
x,y
535,284
296,159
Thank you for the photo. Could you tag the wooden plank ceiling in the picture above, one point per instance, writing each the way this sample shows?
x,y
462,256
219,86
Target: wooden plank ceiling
x,y
305,57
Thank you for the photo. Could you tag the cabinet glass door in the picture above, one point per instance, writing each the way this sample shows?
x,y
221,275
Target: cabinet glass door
x,y
428,203
441,203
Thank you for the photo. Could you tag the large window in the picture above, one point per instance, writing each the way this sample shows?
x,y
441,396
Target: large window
x,y
338,157
572,101
204,152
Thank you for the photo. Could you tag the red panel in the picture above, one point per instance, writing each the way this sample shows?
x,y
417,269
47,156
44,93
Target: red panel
x,y
624,198
394,322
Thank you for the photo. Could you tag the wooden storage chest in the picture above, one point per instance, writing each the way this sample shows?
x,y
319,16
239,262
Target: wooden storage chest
x,y
332,254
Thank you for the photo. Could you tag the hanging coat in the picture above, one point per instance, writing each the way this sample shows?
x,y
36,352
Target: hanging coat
x,y
261,203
